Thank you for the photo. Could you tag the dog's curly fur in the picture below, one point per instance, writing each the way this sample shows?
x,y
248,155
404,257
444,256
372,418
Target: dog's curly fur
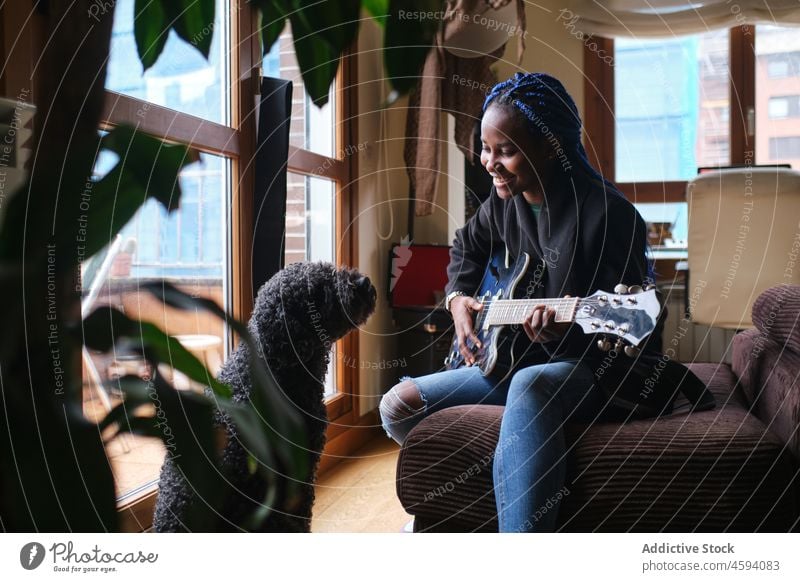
x,y
298,314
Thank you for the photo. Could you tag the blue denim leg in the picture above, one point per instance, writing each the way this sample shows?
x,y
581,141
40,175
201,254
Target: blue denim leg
x,y
530,460
466,385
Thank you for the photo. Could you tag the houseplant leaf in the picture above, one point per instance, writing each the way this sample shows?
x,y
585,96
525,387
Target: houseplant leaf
x,y
318,59
273,19
334,20
378,9
147,168
150,29
407,41
193,20
106,326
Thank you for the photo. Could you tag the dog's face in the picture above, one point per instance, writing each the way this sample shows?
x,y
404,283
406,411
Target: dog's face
x,y
326,301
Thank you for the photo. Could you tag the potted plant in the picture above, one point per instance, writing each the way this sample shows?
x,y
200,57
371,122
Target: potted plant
x,y
49,447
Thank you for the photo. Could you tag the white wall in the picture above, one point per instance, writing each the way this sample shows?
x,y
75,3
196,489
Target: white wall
x,y
382,202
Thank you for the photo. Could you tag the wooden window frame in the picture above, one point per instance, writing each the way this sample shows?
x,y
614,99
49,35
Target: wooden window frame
x,y
600,134
21,40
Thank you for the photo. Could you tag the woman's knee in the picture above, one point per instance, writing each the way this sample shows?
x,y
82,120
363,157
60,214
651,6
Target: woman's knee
x,y
402,401
400,410
544,380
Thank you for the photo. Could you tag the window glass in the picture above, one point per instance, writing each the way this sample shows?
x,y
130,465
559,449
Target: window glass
x,y
181,79
671,106
777,96
310,228
784,147
778,107
667,223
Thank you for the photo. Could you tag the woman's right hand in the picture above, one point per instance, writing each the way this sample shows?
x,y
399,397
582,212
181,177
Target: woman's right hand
x,y
462,308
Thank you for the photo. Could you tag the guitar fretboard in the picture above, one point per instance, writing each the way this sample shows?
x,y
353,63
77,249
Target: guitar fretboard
x,y
515,311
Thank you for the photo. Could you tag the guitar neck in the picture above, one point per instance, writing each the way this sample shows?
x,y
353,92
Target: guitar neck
x,y
515,311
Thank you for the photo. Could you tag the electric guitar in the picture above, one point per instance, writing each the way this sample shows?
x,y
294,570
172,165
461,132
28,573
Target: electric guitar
x,y
628,314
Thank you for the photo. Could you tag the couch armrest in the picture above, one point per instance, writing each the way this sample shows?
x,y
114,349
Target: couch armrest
x,y
768,375
776,314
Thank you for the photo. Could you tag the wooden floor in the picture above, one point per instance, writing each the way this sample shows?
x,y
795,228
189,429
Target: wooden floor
x,y
358,494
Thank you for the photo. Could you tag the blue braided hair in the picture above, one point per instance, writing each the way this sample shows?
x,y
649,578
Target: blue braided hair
x,y
550,112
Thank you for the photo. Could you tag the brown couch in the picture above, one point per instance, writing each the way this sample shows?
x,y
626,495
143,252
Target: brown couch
x,y
734,468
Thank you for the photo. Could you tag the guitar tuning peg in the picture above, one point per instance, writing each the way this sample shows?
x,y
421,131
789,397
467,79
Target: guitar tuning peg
x,y
649,286
632,351
603,345
621,289
635,289
619,345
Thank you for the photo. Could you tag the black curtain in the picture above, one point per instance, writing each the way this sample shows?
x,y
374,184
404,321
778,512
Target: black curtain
x,y
272,153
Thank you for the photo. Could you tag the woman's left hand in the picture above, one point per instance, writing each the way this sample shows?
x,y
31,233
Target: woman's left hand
x,y
541,326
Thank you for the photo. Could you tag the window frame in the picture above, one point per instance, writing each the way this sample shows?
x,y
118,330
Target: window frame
x,y
599,128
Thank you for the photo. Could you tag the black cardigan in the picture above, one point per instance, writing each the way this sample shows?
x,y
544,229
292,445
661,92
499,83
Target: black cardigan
x,y
591,238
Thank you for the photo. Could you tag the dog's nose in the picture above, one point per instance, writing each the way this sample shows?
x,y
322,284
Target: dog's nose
x,y
365,287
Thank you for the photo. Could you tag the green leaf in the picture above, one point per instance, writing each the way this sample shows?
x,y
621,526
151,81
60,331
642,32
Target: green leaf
x,y
379,9
273,20
317,58
137,393
169,350
150,29
334,20
407,42
322,30
103,326
193,20
106,326
147,168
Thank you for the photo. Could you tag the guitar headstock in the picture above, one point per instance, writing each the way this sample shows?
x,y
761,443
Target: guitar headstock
x,y
627,313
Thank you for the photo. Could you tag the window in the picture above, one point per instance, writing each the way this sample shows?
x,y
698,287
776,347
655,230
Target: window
x,y
671,106
181,79
778,107
781,148
281,63
672,221
786,106
778,123
318,183
725,97
779,62
204,247
182,98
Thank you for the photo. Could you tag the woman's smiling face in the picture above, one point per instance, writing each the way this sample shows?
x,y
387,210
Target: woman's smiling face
x,y
517,162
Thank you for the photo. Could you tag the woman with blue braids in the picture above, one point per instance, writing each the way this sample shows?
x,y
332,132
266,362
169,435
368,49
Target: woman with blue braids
x,y
548,201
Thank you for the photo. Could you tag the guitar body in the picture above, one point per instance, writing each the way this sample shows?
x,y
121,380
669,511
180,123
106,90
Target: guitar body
x,y
499,282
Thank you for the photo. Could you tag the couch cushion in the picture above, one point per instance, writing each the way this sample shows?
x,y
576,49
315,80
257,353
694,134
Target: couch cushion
x,y
687,471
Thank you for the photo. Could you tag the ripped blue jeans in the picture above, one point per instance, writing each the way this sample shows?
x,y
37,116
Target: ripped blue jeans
x,y
529,468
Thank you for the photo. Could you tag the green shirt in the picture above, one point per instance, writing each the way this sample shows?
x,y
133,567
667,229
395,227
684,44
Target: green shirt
x,y
537,208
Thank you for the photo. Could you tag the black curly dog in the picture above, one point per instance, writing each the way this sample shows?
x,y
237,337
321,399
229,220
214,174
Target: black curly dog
x,y
298,313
